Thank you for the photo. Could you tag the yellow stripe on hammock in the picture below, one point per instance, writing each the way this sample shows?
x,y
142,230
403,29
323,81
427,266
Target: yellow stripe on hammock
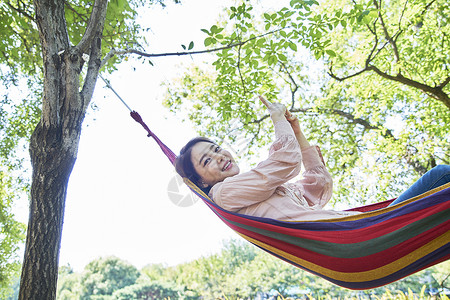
x,y
360,276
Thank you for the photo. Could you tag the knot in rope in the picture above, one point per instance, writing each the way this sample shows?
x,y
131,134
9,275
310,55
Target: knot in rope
x,y
135,115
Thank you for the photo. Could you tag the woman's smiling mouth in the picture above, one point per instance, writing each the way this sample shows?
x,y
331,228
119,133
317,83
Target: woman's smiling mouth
x,y
227,166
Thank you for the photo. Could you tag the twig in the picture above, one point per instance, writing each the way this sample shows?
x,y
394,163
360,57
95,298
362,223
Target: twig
x,y
20,11
386,33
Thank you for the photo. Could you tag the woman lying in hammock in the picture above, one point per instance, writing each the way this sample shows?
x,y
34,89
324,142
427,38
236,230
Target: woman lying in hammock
x,y
264,191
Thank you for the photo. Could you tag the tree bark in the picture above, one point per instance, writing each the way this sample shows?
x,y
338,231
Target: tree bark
x,y
54,142
52,163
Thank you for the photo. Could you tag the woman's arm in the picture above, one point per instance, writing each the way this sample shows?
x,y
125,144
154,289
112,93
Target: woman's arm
x,y
302,141
258,184
283,164
317,182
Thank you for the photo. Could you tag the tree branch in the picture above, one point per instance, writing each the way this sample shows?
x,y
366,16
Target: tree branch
x,y
239,69
94,63
258,121
386,33
76,12
387,133
401,16
20,11
24,40
293,82
346,77
428,6
435,92
375,45
93,26
114,52
444,83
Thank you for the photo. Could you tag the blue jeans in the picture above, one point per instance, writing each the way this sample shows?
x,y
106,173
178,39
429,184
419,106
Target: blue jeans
x,y
437,176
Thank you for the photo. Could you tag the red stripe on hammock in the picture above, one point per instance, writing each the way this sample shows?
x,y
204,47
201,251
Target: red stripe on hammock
x,y
345,236
349,265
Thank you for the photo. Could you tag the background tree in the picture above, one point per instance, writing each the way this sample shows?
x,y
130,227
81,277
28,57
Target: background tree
x,y
16,122
149,291
69,284
115,279
102,277
11,234
238,271
368,84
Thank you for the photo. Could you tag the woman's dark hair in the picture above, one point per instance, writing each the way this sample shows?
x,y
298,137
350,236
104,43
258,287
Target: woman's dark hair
x,y
184,166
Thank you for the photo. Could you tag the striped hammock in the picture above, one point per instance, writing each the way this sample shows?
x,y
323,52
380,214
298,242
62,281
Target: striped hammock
x,y
364,251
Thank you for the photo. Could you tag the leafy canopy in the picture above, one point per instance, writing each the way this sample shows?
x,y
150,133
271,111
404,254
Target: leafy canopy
x,y
367,79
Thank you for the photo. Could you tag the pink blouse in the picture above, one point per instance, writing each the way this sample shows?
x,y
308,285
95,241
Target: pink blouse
x,y
265,191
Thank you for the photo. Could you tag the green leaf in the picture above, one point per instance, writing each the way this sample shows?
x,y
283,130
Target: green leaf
x,y
260,42
215,29
362,15
282,57
331,53
293,46
272,60
208,41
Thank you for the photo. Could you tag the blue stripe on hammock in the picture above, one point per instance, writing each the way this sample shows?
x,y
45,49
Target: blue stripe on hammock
x,y
437,198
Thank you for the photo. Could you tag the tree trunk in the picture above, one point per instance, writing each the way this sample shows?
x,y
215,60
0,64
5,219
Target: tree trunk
x,y
52,163
54,142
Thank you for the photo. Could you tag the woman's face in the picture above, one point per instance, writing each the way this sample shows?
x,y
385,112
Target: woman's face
x,y
213,163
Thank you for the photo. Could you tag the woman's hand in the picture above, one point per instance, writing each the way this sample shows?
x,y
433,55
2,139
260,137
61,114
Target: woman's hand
x,y
277,110
280,112
294,122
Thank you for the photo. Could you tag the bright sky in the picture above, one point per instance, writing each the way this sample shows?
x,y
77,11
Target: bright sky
x,y
117,201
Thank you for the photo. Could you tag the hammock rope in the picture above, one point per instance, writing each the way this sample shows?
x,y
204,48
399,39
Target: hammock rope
x,y
166,150
135,115
379,246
